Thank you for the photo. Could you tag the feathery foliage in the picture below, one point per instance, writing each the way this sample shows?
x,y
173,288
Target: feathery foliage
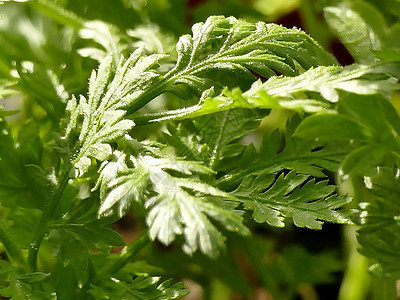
x,y
176,138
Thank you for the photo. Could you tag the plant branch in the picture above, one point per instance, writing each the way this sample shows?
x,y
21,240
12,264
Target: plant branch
x,y
128,253
125,257
48,213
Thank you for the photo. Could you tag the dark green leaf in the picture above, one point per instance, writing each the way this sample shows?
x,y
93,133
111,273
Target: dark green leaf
x,y
328,127
33,277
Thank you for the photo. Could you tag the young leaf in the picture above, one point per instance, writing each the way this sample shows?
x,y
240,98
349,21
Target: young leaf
x,y
283,92
33,277
354,32
102,117
237,46
106,35
182,204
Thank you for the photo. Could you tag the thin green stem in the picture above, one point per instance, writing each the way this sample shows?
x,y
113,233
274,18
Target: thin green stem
x,y
13,251
48,213
149,95
128,253
356,281
161,86
125,257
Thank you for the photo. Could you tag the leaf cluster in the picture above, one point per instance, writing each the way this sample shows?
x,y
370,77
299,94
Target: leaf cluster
x,y
77,159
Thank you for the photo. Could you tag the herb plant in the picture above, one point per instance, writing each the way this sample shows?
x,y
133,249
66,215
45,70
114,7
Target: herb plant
x,y
104,120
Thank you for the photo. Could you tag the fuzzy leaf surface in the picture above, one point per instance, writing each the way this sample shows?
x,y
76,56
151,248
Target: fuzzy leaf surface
x,y
177,201
283,91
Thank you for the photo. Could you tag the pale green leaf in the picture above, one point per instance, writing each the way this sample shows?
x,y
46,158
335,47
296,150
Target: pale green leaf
x,y
99,151
283,92
354,32
176,205
82,165
362,28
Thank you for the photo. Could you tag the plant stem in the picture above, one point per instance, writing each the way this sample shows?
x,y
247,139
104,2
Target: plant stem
x,y
161,86
125,257
149,95
12,250
48,213
356,282
128,253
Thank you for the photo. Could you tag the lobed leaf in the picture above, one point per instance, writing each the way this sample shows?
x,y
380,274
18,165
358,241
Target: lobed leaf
x,y
378,216
176,204
283,92
306,202
142,288
376,128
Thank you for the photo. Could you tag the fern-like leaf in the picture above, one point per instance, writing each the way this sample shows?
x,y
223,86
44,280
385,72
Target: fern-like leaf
x,y
103,118
141,288
178,202
237,46
259,181
306,202
283,92
379,220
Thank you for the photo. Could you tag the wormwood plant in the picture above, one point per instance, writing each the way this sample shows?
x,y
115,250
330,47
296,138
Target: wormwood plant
x,y
161,132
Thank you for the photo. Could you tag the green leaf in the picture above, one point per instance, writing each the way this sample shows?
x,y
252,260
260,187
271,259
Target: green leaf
x,y
120,184
358,36
57,13
259,181
283,92
64,281
378,217
33,277
295,267
153,39
220,130
306,156
14,253
5,91
388,54
103,118
182,204
188,215
306,202
141,288
357,79
377,114
327,127
362,29
44,87
363,159
237,46
375,128
105,35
